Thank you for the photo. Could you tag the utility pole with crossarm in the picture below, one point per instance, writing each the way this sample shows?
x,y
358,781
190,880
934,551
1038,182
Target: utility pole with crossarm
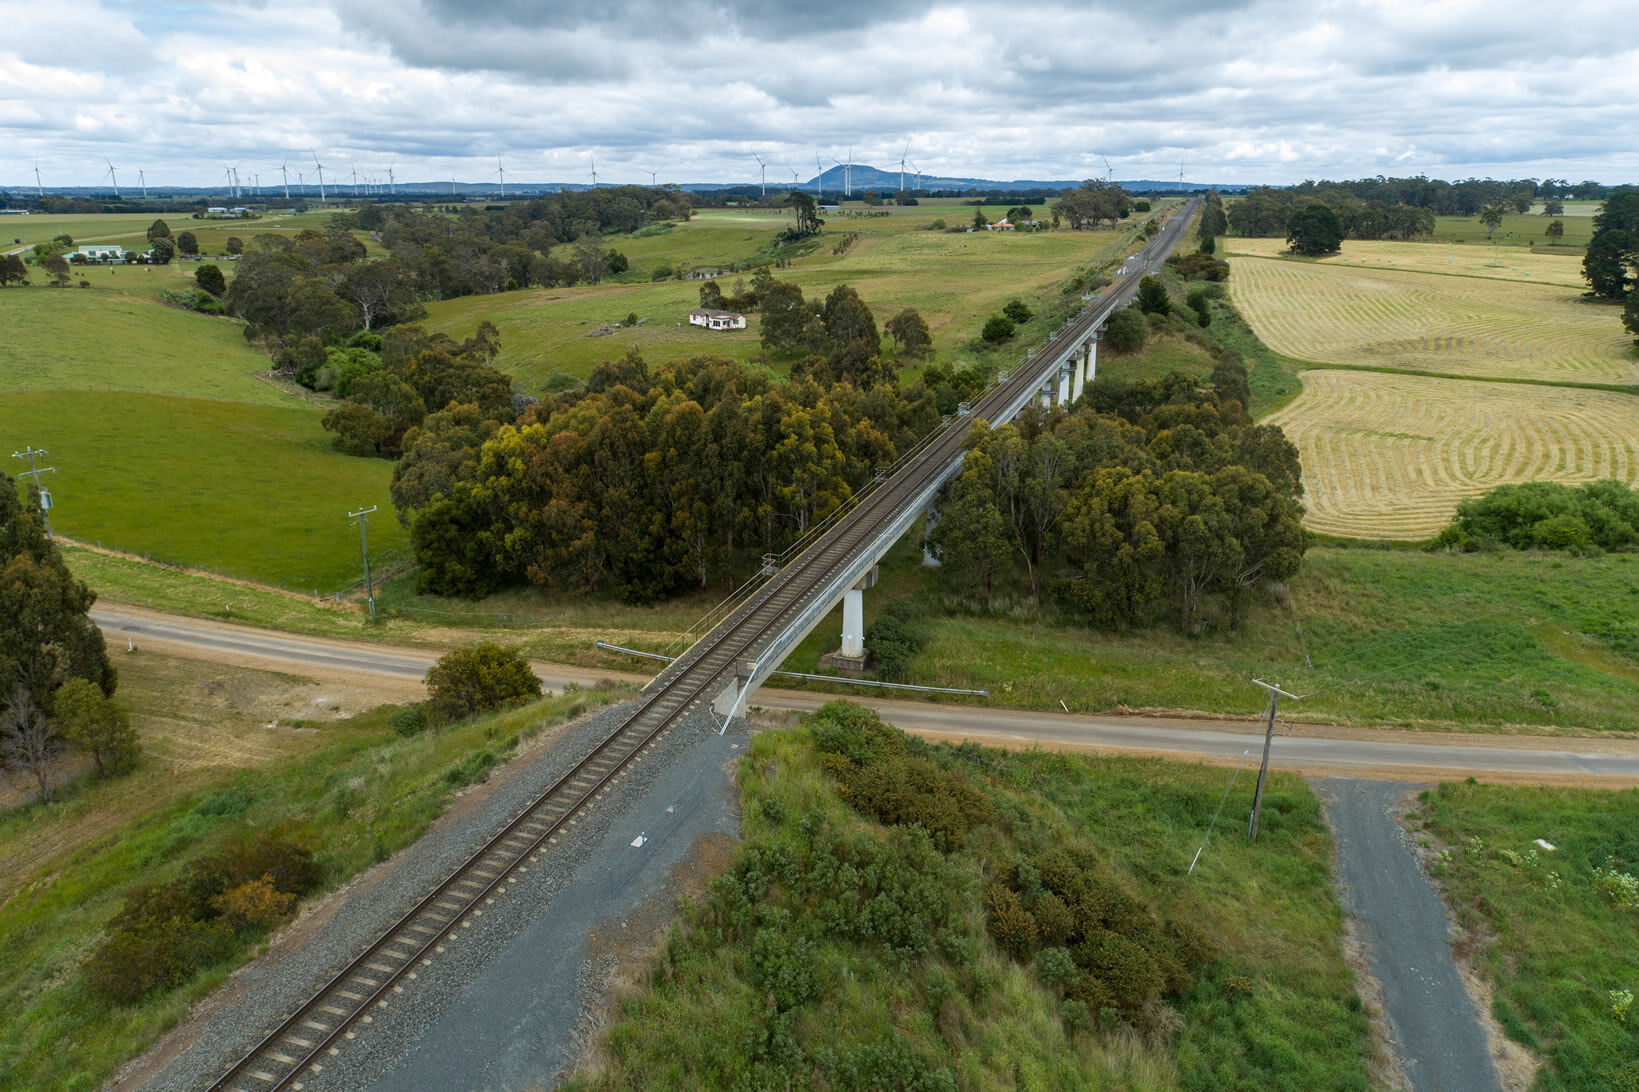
x,y
362,518
35,472
1275,695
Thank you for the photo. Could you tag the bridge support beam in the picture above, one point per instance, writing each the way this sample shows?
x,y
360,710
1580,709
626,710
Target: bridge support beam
x,y
1065,371
1080,374
1090,350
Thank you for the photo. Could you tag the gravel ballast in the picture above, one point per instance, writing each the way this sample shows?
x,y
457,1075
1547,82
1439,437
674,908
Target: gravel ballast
x,y
499,1008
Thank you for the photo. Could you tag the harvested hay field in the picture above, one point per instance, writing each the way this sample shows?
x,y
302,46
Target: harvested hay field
x,y
1389,456
1503,263
1337,312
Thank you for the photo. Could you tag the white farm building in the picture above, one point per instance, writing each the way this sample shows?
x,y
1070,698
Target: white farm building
x,y
717,320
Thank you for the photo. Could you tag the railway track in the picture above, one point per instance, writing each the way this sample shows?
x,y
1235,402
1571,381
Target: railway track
x,y
307,1040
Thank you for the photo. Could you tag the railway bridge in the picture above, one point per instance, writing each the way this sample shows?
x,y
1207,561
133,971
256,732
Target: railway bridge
x,y
740,646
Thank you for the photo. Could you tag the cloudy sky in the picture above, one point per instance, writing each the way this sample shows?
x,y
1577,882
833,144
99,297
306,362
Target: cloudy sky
x,y
1236,90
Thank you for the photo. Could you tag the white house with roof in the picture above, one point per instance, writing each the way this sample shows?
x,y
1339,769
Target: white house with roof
x,y
717,320
98,252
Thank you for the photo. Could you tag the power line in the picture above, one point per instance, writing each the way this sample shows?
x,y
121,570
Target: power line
x,y
35,472
361,518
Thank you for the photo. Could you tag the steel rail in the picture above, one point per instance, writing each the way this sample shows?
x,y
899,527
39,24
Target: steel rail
x,y
346,1000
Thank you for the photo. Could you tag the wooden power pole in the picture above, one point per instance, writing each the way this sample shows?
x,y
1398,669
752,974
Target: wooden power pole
x,y
1275,695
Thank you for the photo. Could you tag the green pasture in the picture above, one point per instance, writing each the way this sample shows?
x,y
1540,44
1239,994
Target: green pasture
x,y
131,228
1553,930
1516,229
956,282
251,491
116,335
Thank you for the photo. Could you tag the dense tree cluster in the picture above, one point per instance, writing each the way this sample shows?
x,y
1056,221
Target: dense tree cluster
x,y
1091,203
390,381
1264,211
1548,516
47,642
647,482
1150,497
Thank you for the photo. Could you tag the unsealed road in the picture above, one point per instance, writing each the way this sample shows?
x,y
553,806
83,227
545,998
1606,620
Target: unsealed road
x,y
1403,755
1406,934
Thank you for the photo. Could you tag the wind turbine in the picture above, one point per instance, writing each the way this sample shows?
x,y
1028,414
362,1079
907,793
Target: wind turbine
x,y
284,174
793,178
301,181
392,183
319,167
1180,174
594,160
651,175
819,177
39,190
918,171
227,179
1109,171
113,175
500,169
763,167
902,166
355,170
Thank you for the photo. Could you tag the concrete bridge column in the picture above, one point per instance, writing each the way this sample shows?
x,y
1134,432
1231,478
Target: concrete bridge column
x,y
930,523
853,623
1080,375
1064,382
1092,355
1047,395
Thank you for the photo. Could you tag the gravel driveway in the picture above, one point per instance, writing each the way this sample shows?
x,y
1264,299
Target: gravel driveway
x,y
1405,932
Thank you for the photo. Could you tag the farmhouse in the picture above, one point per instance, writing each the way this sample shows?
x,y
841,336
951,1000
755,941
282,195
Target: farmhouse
x,y
98,253
717,320
1003,224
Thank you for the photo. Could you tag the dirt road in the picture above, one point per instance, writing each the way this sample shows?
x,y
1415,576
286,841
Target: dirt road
x,y
1311,749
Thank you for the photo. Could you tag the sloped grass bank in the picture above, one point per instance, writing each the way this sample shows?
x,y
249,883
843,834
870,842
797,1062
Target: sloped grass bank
x,y
1558,929
917,916
360,798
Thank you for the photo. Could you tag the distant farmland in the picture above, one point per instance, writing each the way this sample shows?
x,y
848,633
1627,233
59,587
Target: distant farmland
x,y
1388,453
1474,319
1389,456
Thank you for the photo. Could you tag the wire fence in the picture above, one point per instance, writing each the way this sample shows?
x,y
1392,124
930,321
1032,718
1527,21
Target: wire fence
x,y
637,854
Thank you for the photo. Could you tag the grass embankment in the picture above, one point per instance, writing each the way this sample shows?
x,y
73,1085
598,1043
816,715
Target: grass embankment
x,y
1474,642
864,955
354,794
1556,932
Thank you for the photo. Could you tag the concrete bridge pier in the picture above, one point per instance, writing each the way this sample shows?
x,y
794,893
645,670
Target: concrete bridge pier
x,y
851,658
1090,354
1066,369
930,523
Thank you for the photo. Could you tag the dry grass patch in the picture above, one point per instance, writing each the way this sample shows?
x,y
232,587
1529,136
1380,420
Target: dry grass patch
x,y
1389,456
1471,325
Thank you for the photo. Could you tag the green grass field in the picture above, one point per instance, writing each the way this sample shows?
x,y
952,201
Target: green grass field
x,y
955,281
353,791
720,1008
1520,229
1558,941
131,228
251,491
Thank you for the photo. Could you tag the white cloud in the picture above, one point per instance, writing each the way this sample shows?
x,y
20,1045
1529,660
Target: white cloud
x,y
1256,90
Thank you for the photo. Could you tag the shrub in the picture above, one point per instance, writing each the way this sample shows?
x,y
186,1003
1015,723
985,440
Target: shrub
x,y
895,638
408,720
1199,302
1153,298
210,279
1127,331
254,904
997,329
472,680
1010,924
1016,310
